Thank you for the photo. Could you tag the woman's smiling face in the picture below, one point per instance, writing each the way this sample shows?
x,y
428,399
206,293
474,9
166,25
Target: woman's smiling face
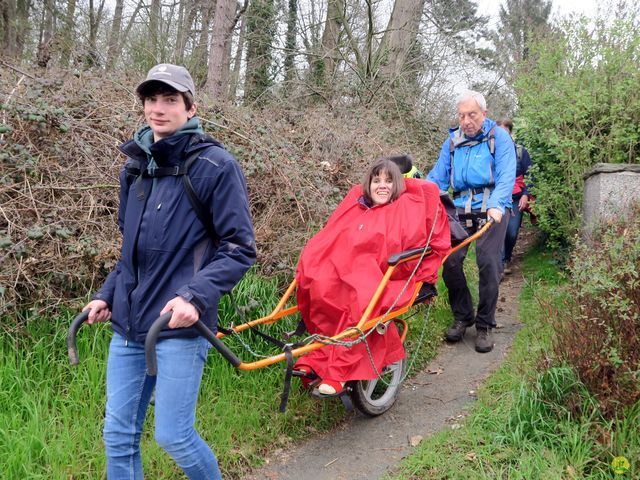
x,y
381,188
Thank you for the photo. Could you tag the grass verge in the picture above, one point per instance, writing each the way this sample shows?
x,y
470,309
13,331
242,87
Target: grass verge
x,y
522,426
51,414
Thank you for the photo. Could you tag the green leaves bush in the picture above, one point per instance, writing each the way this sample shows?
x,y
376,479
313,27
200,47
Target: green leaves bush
x,y
580,105
597,330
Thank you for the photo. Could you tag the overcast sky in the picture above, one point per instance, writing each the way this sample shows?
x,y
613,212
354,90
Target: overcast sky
x,y
588,8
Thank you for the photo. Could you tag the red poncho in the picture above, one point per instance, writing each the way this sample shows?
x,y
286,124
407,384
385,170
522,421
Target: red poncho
x,y
341,267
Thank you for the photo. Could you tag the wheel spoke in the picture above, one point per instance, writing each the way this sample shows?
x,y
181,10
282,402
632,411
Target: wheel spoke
x,y
393,367
370,388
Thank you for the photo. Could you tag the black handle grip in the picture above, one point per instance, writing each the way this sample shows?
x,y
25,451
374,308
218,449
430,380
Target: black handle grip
x,y
150,343
71,336
161,323
398,257
218,344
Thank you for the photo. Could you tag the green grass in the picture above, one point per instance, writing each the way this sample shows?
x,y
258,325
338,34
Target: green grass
x,y
51,414
521,427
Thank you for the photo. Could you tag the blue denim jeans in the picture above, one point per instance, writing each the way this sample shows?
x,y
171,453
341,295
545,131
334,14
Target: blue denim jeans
x,y
129,388
515,220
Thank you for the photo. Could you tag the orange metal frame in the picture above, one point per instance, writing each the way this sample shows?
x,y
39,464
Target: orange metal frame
x,y
364,325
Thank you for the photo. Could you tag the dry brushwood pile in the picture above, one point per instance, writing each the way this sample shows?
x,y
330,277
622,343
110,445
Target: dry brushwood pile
x,y
59,133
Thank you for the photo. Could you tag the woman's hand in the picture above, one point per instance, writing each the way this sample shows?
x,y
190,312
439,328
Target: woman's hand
x,y
523,203
184,313
98,311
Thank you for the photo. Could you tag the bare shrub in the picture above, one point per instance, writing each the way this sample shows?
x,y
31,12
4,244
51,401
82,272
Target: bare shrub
x,y
597,328
59,167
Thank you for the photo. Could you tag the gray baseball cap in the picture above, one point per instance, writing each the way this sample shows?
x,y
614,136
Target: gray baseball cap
x,y
173,75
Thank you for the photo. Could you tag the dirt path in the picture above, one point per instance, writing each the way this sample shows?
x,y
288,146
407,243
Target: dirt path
x,y
365,448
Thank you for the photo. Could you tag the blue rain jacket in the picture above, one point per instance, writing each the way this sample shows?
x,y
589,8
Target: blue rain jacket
x,y
475,167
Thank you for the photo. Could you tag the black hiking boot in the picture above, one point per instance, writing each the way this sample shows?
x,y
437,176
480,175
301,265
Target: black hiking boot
x,y
456,331
484,340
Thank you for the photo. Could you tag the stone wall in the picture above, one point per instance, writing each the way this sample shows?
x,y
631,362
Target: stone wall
x,y
609,190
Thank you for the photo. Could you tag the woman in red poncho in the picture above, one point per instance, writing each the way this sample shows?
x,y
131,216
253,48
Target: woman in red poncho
x,y
343,264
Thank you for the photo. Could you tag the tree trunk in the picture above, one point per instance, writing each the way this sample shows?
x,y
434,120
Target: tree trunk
x,y
8,27
92,57
331,39
122,36
200,56
181,35
261,29
290,41
237,61
219,51
46,34
14,26
154,30
113,49
67,37
399,37
22,25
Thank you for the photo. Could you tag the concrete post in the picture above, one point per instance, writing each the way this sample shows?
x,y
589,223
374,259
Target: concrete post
x,y
609,191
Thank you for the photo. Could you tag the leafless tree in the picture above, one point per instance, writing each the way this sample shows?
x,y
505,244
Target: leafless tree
x,y
220,49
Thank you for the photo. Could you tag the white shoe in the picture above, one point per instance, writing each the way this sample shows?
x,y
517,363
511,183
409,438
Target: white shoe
x,y
326,389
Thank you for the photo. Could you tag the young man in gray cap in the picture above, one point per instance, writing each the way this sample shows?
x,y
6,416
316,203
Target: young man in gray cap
x,y
177,256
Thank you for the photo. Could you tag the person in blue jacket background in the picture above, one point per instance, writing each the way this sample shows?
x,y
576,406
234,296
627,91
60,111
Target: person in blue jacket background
x,y
478,163
170,262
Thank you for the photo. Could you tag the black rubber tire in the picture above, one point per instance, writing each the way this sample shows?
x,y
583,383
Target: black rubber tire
x,y
374,397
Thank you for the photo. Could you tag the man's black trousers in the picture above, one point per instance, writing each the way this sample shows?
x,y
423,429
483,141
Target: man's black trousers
x,y
489,259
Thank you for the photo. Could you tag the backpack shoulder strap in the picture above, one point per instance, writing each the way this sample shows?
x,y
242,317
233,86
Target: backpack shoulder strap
x,y
199,208
491,138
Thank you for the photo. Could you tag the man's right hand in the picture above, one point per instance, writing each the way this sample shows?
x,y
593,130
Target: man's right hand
x,y
98,311
495,214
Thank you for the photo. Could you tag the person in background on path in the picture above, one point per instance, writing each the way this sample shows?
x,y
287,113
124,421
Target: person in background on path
x,y
406,166
409,170
171,261
520,198
478,162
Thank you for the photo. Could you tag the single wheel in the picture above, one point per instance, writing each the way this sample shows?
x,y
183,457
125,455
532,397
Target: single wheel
x,y
374,397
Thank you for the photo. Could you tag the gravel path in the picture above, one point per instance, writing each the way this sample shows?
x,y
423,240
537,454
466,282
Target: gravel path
x,y
437,398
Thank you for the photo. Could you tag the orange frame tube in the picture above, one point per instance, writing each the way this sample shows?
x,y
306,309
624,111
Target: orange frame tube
x,y
364,325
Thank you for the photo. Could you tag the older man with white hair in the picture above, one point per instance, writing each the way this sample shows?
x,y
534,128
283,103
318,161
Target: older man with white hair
x,y
478,163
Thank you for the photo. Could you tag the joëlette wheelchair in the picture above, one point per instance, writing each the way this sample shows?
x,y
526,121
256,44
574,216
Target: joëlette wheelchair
x,y
371,397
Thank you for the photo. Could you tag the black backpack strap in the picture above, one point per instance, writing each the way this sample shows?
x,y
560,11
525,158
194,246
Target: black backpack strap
x,y
518,153
174,171
198,207
202,212
491,138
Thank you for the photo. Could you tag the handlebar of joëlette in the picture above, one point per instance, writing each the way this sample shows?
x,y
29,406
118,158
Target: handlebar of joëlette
x,y
71,336
162,322
150,343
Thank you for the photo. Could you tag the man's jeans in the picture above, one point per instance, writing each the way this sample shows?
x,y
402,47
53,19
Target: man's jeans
x,y
488,257
180,365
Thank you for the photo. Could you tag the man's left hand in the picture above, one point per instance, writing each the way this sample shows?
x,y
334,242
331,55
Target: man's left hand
x,y
184,313
495,214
